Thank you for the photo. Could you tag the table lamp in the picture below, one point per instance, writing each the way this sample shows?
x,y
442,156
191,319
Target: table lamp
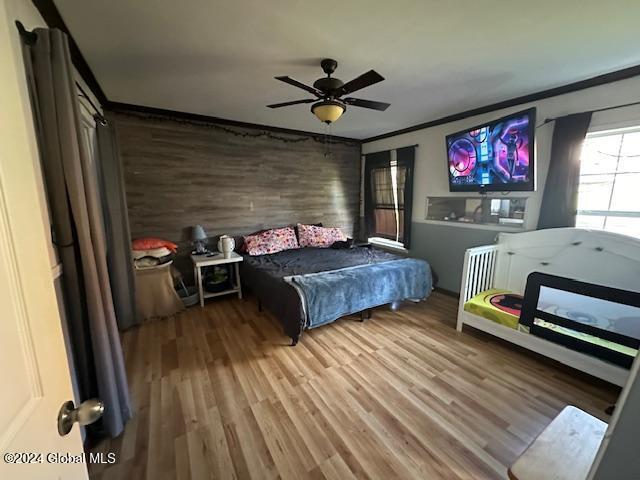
x,y
199,240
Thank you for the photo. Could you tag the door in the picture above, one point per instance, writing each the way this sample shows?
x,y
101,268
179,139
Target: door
x,y
34,374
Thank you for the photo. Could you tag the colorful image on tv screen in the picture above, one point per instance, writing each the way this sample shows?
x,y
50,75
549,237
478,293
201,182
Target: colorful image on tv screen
x,y
497,153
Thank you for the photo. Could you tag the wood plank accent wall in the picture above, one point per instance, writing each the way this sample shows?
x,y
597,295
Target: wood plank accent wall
x,y
180,174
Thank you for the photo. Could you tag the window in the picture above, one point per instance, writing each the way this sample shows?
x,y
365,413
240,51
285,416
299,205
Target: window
x,y
388,196
609,192
388,213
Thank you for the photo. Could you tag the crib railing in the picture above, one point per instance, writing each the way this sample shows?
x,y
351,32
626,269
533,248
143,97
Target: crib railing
x,y
479,271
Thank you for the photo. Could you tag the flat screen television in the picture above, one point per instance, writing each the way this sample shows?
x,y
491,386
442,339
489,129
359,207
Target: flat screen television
x,y
496,156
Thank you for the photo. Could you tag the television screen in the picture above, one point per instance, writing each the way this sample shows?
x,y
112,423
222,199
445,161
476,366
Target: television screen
x,y
497,156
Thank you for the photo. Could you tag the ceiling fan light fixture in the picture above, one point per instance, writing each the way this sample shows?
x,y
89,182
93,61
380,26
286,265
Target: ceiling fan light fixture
x,y
328,111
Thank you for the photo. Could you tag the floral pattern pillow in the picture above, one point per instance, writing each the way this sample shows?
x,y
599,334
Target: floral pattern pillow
x,y
312,236
271,241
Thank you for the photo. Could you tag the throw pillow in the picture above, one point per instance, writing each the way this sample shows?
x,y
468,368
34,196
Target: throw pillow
x,y
323,237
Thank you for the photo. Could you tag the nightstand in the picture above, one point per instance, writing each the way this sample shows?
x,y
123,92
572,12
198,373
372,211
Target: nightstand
x,y
200,261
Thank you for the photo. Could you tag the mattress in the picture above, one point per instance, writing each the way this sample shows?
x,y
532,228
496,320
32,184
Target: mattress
x,y
500,306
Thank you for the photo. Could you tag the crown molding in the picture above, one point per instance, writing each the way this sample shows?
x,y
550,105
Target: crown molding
x,y
533,97
118,107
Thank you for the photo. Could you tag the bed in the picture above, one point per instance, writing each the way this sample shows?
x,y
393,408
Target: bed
x,y
309,287
492,271
505,308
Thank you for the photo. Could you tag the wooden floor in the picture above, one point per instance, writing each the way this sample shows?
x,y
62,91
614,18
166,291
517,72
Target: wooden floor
x,y
219,394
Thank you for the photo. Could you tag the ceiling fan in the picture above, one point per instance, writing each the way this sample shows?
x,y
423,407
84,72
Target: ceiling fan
x,y
329,104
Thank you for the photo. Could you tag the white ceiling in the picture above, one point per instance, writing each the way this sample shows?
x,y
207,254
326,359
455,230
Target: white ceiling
x,y
439,57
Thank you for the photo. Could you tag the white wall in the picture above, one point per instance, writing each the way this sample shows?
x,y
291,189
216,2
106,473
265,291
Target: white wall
x,y
431,177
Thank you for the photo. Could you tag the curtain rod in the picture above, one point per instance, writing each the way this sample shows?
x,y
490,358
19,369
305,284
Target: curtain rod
x,y
415,145
30,39
603,109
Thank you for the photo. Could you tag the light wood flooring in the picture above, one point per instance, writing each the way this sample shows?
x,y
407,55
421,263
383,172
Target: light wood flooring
x,y
219,394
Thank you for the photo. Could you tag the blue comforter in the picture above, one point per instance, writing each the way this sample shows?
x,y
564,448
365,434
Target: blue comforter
x,y
327,296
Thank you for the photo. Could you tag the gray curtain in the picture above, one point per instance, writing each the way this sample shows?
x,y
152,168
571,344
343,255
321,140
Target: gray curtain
x,y
378,195
74,199
406,159
560,198
116,220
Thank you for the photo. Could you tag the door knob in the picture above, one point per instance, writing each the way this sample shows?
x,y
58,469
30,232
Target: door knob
x,y
87,412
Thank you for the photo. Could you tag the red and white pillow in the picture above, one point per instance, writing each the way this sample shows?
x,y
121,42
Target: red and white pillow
x,y
323,237
150,243
271,241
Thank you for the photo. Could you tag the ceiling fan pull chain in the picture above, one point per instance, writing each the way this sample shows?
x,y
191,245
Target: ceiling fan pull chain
x,y
326,128
330,134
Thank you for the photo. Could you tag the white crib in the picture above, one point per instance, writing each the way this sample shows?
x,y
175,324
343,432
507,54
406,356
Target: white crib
x,y
591,256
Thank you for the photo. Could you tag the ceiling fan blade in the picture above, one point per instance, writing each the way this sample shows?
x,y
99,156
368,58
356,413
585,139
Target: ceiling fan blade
x,y
360,82
301,85
294,102
357,102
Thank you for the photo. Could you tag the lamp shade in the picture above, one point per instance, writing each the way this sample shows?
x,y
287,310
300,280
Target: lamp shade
x,y
328,111
198,233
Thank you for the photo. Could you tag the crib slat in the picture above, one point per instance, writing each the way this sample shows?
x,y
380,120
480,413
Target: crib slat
x,y
476,275
485,264
480,267
472,280
487,283
468,287
490,271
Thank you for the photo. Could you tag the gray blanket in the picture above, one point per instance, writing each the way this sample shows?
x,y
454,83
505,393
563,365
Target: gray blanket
x,y
327,296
